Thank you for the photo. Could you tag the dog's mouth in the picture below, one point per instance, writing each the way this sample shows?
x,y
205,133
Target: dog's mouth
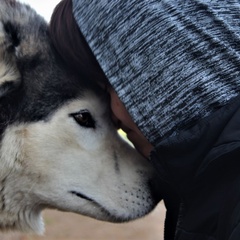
x,y
107,215
80,195
83,196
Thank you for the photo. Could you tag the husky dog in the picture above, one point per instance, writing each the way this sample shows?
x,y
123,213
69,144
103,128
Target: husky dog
x,y
59,148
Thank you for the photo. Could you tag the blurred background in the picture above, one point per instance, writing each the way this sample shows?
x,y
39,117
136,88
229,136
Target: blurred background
x,y
44,8
69,226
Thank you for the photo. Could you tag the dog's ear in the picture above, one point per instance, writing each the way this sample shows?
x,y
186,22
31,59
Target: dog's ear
x,y
9,74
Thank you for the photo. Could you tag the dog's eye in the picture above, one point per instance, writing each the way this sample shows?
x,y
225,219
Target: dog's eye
x,y
84,119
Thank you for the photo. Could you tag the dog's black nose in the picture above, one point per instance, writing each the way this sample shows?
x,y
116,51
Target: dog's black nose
x,y
161,190
156,191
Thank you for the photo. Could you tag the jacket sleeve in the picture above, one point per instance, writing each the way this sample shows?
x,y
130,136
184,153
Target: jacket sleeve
x,y
202,166
182,159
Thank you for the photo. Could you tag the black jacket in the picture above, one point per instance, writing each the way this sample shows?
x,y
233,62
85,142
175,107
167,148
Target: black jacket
x,y
202,166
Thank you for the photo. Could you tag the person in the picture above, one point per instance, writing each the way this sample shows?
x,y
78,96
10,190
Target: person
x,y
172,69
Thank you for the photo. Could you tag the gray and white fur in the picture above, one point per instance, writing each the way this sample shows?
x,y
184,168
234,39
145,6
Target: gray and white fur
x,y
59,148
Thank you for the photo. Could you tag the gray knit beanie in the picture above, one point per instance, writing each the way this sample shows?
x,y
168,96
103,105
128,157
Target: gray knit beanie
x,y
171,62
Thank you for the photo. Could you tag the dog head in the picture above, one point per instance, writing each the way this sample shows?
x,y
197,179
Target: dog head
x,y
59,147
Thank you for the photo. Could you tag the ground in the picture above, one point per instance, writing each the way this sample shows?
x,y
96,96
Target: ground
x,y
69,226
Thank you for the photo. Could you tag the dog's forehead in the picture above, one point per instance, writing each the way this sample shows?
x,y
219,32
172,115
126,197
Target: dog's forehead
x,y
96,103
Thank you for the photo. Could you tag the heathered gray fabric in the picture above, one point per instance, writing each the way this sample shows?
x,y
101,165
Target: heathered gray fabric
x,y
170,61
